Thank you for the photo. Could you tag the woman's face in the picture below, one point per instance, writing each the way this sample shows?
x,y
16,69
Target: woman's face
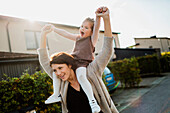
x,y
62,71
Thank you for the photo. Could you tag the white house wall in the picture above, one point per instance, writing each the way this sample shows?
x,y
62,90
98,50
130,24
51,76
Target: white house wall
x,y
155,43
17,37
146,43
56,43
3,36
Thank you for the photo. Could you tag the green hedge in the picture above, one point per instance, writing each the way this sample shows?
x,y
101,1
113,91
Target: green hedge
x,y
33,90
149,65
165,62
28,90
127,71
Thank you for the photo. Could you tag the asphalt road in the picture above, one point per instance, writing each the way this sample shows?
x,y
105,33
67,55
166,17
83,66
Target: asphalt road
x,y
157,100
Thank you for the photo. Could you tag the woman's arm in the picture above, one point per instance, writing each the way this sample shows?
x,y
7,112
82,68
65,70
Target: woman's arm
x,y
65,33
42,51
102,59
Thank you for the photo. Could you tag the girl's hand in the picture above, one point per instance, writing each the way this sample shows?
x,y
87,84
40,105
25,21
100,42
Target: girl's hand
x,y
102,12
47,29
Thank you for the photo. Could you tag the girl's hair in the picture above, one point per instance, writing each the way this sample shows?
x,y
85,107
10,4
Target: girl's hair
x,y
63,58
91,20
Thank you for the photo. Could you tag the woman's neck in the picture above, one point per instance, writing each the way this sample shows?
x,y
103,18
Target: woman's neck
x,y
74,82
73,79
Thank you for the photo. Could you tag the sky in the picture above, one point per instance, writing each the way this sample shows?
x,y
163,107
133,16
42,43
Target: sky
x,y
131,18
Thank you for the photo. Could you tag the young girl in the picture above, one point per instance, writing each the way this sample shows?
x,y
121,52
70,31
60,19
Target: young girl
x,y
83,54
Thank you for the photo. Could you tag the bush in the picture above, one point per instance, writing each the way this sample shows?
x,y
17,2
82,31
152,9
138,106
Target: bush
x,y
28,90
149,65
127,71
165,62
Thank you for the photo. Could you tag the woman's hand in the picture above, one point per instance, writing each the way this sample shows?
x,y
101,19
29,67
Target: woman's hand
x,y
102,12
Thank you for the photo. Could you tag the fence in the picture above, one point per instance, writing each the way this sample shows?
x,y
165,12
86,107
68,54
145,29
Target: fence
x,y
122,53
16,67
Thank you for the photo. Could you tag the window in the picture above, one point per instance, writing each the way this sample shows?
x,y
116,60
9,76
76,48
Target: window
x,y
32,40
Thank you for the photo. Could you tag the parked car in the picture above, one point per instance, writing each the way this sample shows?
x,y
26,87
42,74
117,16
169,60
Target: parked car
x,y
111,84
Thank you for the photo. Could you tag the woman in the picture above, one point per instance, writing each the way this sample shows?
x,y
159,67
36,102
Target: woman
x,y
73,99
83,54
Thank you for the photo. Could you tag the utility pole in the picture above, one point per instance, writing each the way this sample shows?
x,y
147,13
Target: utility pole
x,y
9,42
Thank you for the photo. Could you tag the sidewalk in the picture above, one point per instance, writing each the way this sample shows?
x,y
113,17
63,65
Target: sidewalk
x,y
124,97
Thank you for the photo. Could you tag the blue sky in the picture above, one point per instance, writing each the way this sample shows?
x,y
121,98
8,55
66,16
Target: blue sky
x,y
132,18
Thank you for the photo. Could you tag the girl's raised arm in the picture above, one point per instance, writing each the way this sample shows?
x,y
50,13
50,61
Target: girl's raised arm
x,y
96,27
65,33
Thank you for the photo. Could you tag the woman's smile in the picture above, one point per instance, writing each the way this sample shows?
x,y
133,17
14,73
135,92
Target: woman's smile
x,y
61,76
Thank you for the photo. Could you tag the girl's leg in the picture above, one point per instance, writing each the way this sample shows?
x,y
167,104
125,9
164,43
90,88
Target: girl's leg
x,y
56,89
86,86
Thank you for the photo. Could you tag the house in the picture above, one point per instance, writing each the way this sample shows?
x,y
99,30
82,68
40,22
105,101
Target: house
x,y
153,42
23,36
20,38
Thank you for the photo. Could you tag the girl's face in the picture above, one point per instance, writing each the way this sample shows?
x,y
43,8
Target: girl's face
x,y
85,29
62,71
